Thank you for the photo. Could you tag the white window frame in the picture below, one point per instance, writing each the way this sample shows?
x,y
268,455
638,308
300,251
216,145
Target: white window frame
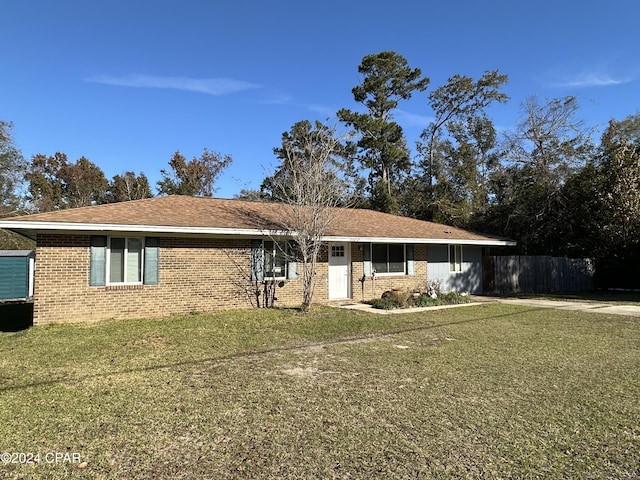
x,y
404,261
126,249
279,249
455,263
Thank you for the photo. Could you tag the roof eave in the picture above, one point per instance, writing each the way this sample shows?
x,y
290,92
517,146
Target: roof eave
x,y
433,241
60,227
31,228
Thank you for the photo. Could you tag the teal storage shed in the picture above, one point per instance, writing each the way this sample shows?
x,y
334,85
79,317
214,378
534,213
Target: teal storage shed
x,y
17,269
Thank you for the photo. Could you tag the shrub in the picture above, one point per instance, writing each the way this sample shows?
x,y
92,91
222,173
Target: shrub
x,y
424,300
454,298
387,303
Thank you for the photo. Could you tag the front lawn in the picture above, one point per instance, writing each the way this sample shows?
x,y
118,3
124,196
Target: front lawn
x,y
488,391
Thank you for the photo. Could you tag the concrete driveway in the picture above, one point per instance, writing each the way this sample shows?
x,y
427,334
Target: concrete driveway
x,y
597,307
364,307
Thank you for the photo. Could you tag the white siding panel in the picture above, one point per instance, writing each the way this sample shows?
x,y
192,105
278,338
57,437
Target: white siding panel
x,y
469,280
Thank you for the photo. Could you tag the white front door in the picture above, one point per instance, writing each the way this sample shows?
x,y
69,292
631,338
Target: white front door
x,y
339,271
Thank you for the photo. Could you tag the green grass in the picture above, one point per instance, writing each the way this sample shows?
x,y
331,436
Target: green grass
x,y
489,391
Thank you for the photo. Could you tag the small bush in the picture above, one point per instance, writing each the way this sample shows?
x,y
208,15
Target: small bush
x,y
388,303
423,300
453,298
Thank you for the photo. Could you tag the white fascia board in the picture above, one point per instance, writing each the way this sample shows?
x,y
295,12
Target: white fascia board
x,y
101,227
31,226
432,241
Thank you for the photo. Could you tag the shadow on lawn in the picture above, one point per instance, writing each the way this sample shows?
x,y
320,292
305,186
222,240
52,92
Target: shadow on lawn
x,y
15,317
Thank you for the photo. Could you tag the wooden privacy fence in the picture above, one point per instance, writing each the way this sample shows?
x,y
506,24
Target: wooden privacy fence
x,y
536,274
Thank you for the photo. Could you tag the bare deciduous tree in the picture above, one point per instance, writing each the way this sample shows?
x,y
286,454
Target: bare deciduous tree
x,y
249,284
128,186
310,182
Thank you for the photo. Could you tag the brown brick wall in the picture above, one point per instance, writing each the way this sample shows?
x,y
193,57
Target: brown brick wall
x,y
374,289
196,274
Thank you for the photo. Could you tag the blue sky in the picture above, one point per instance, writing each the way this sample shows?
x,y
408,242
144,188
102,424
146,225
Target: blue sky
x,y
127,83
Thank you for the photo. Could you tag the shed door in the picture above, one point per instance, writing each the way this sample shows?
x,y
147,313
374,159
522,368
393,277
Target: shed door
x,y
14,278
338,271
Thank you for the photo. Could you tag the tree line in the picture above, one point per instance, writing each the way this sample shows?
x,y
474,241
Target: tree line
x,y
52,182
545,182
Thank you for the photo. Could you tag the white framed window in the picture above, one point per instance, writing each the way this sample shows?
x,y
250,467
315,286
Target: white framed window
x,y
125,260
275,259
388,258
455,258
337,251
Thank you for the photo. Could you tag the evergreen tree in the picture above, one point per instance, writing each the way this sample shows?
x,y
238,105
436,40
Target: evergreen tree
x,y
455,149
382,148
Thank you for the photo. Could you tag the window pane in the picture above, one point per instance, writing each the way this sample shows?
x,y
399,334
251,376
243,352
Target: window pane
x,y
452,258
379,257
280,263
275,264
116,261
134,260
268,259
455,258
396,258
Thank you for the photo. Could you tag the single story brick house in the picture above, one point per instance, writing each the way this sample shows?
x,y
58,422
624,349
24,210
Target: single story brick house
x,y
178,254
